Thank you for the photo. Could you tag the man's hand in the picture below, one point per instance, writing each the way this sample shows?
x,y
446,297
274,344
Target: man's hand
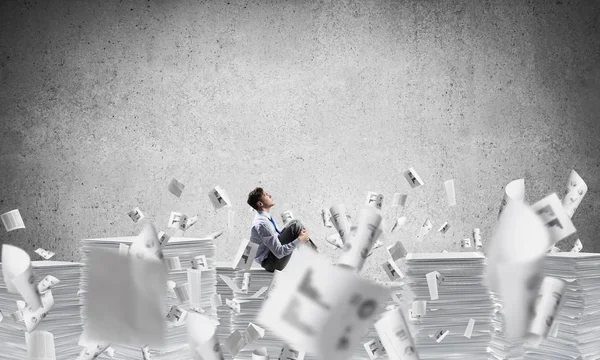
x,y
303,237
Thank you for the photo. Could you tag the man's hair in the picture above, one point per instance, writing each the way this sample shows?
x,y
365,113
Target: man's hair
x,y
254,197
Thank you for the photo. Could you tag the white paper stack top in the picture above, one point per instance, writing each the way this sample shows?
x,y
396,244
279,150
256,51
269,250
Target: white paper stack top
x,y
224,312
176,339
462,295
63,321
579,318
250,307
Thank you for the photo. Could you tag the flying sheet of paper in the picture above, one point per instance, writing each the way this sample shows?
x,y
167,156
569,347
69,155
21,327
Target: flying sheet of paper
x,y
444,228
425,229
400,222
33,318
555,217
202,338
413,178
326,217
514,191
441,335
547,305
44,253
229,282
339,219
432,284
396,251
374,349
465,243
515,256
12,220
399,200
322,308
218,197
335,240
234,343
182,291
177,221
395,336
577,247
163,239
175,187
40,345
418,309
253,333
200,262
146,353
230,220
216,301
450,193
136,214
234,305
172,263
146,244
245,255
259,292
194,278
246,283
47,282
477,238
374,199
469,329
554,249
125,299
176,315
392,270
18,275
368,223
576,190
289,353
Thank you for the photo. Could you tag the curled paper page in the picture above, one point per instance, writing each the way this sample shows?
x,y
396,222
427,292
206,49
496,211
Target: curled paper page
x,y
136,214
44,253
425,229
199,262
146,245
555,217
326,217
246,283
335,240
444,228
322,308
245,255
286,217
374,199
260,354
396,250
469,329
40,345
47,282
183,293
364,239
576,190
413,178
203,339
18,275
289,353
339,219
194,278
577,247
392,270
515,256
547,305
172,263
12,220
395,336
400,222
514,191
450,193
441,335
33,318
399,200
218,197
477,238
374,349
175,187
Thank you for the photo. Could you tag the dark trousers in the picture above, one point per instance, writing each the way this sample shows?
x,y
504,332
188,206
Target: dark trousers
x,y
289,234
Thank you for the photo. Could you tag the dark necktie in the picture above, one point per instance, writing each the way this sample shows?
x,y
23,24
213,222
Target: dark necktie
x,y
273,222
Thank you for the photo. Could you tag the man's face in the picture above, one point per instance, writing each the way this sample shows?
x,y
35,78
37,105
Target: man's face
x,y
266,202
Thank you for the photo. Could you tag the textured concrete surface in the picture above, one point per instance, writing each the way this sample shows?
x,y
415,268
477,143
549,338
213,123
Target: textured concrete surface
x,y
102,103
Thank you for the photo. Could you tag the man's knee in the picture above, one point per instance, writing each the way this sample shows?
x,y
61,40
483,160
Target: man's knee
x,y
297,224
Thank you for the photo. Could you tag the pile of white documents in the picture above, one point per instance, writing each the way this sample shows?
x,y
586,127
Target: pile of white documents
x,y
575,331
62,320
451,309
224,312
188,290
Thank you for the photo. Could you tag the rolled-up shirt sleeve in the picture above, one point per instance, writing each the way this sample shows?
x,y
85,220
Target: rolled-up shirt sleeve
x,y
271,241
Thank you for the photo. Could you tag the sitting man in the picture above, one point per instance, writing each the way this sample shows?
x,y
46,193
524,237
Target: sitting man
x,y
275,246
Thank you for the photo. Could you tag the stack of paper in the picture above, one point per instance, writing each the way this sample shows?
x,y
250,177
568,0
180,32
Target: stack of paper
x,y
501,346
176,341
62,321
576,335
224,312
452,284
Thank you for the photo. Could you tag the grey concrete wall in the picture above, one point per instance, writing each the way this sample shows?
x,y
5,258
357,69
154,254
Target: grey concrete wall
x,y
101,103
